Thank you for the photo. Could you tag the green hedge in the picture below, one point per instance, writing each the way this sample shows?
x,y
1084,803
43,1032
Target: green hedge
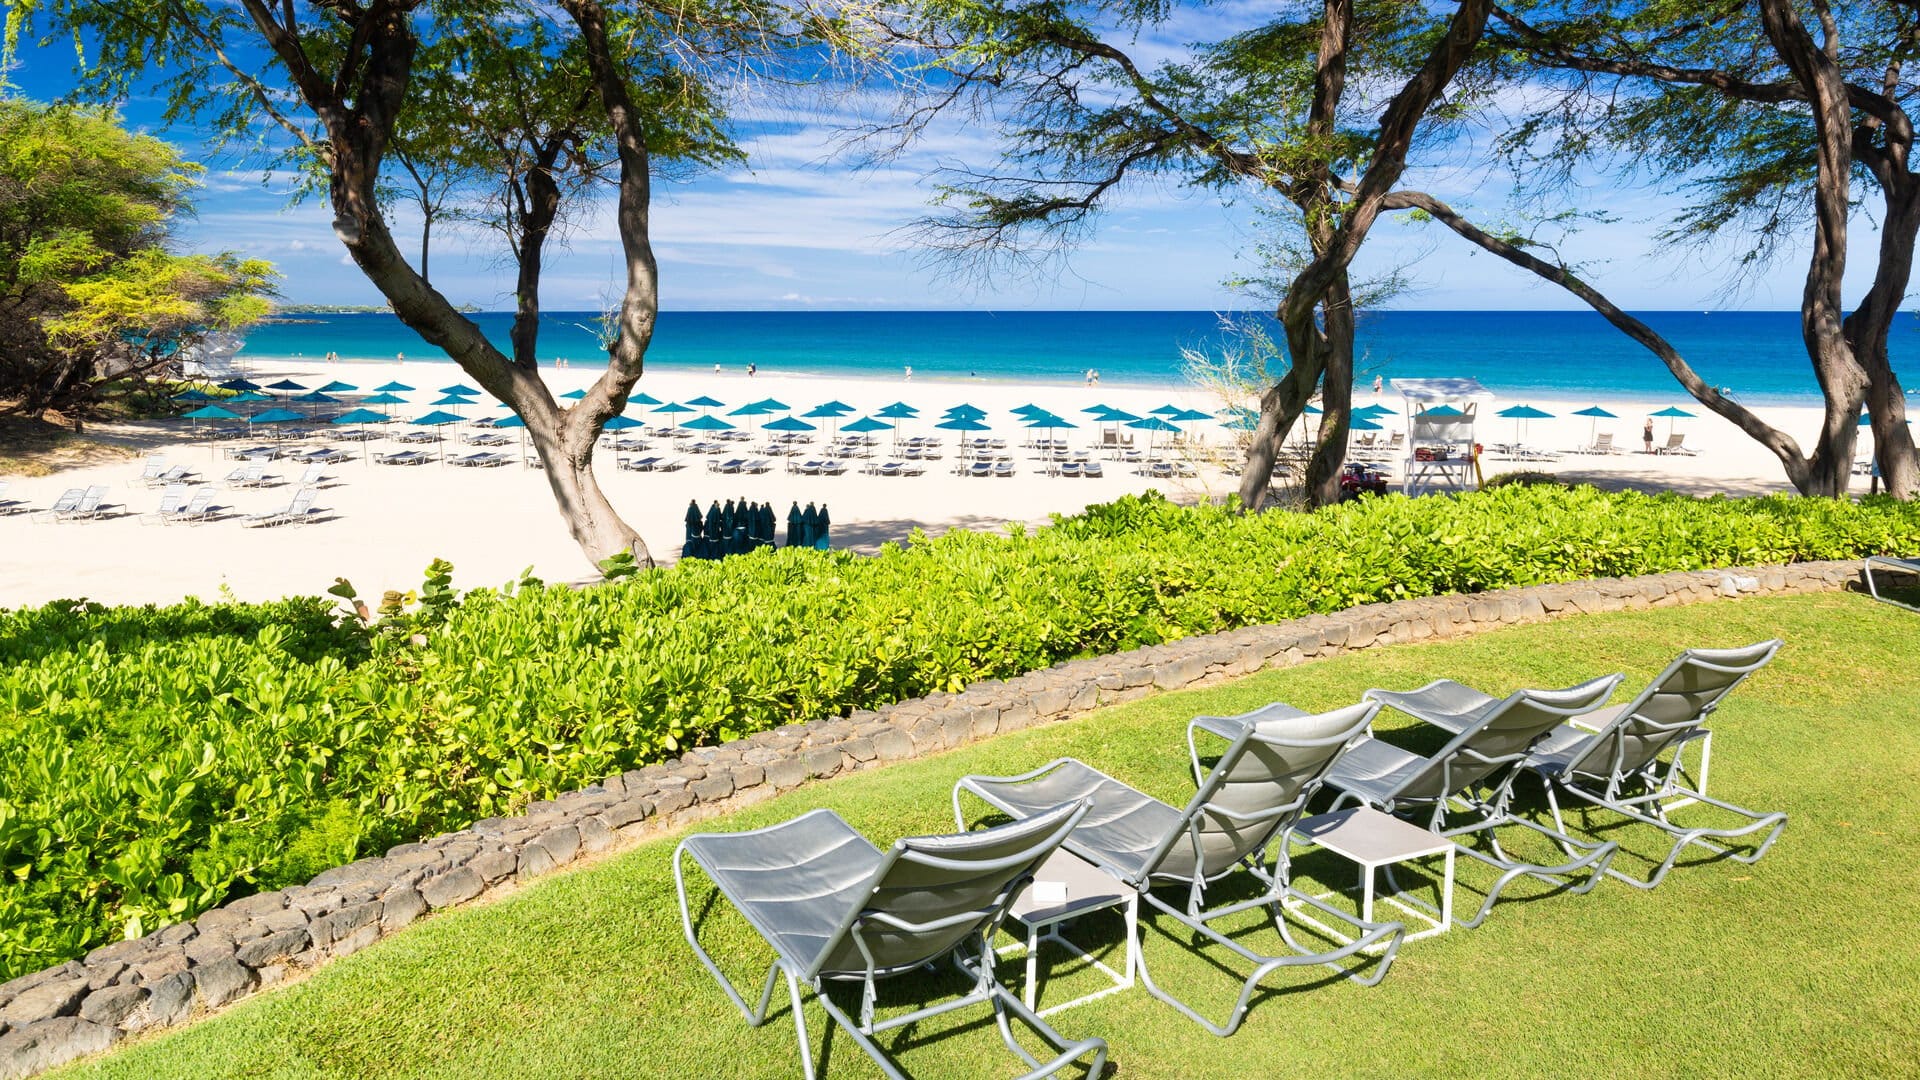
x,y
154,762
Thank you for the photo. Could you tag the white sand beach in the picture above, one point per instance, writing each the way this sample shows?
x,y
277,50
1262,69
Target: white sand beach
x,y
381,525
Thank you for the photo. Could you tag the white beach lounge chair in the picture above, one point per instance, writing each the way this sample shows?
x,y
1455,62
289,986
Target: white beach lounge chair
x,y
251,475
731,465
296,512
68,501
832,468
172,501
1092,470
1674,446
644,464
9,506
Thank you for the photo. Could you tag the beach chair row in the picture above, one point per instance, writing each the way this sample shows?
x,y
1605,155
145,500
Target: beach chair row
x,y
180,504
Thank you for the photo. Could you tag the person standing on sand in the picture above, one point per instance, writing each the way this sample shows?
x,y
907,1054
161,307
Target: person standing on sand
x,y
1646,434
1377,384
751,368
909,372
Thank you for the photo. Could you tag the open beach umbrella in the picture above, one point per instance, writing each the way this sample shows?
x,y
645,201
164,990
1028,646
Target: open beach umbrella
x,y
514,421
617,423
1151,425
1597,414
962,423
193,395
275,416
790,423
1443,411
454,401
239,384
436,420
338,387
1674,414
1028,409
1520,414
1361,423
773,405
705,402
866,424
965,412
1241,421
899,410
705,423
316,397
210,412
248,397
384,398
1115,416
752,408
1364,412
461,389
1166,410
836,405
287,385
393,388
1099,409
573,395
830,412
643,399
673,408
362,417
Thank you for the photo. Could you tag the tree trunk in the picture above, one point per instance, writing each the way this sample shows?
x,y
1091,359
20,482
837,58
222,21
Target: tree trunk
x,y
426,244
1868,327
1336,397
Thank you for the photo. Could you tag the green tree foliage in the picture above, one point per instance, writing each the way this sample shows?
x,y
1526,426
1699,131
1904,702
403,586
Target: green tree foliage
x,y
91,298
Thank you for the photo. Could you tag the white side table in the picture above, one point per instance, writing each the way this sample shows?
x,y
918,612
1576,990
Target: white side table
x,y
1066,887
1373,840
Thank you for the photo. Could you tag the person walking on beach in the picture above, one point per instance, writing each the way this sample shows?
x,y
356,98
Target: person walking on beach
x,y
1646,434
751,368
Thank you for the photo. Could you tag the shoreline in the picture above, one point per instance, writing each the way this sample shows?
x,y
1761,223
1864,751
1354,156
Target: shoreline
x,y
381,525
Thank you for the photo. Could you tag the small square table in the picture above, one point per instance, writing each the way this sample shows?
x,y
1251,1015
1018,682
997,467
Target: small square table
x,y
1064,888
1373,840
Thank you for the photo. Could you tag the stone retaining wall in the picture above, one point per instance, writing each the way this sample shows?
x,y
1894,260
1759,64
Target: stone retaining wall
x,y
167,977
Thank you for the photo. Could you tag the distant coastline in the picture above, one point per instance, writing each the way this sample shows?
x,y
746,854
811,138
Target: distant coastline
x,y
1558,354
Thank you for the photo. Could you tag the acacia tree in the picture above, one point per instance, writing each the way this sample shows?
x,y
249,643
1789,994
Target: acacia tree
x,y
336,77
91,299
1767,129
1268,107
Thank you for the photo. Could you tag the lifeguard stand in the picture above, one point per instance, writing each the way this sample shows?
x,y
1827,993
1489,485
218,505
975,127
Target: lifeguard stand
x,y
1440,445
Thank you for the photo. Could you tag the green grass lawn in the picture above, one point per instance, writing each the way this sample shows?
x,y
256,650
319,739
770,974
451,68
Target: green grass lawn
x,y
1799,965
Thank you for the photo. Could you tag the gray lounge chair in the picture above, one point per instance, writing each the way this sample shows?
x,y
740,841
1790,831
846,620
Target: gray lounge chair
x,y
1909,567
1275,761
172,502
836,909
251,475
644,464
89,508
198,509
1616,762
67,503
150,471
1473,773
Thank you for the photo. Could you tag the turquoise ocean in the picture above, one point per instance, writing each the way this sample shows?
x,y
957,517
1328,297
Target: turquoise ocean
x,y
1757,355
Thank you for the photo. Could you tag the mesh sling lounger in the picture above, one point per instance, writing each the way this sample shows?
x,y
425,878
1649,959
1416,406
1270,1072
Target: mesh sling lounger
x,y
1473,773
1910,567
1597,766
1260,786
836,908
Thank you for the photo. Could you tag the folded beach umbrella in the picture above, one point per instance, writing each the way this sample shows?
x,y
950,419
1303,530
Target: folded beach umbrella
x,y
866,424
338,387
393,388
790,423
962,423
705,423
239,384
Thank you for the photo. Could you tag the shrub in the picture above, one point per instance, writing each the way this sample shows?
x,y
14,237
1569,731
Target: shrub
x,y
157,761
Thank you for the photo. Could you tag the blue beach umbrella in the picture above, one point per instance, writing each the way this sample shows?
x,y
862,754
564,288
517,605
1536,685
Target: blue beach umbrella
x,y
1361,423
1674,414
1366,412
1151,425
836,405
899,410
1099,409
1443,411
1520,414
751,409
436,420
573,395
1241,421
705,423
673,408
338,387
239,384
1166,410
1028,409
316,397
384,398
514,421
1115,416
275,416
962,423
705,402
248,397
965,412
362,417
1597,414
866,424
210,412
461,389
773,405
790,423
193,395
617,423
453,400
287,385
393,388
643,399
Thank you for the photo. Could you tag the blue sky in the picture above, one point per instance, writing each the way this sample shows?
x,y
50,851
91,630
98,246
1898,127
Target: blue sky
x,y
799,228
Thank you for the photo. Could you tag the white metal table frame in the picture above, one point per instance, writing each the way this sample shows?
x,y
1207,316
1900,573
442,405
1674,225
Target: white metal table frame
x,y
1043,921
1324,830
